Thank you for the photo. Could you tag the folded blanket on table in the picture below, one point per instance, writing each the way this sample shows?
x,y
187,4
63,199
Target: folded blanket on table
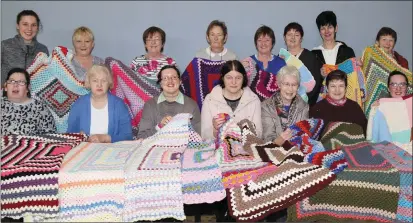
x,y
29,174
135,89
199,77
53,80
307,81
356,89
377,66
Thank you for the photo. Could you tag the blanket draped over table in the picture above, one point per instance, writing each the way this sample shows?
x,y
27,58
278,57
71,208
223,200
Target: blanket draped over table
x,y
135,89
199,77
377,66
356,90
29,174
391,121
307,81
374,187
53,81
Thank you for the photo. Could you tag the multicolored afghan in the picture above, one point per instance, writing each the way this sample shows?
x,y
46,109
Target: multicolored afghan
x,y
391,120
133,88
91,182
376,68
53,80
307,81
356,90
262,178
199,77
29,174
262,83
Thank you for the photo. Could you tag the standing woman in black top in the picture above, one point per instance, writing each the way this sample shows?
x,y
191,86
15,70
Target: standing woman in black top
x,y
21,50
293,37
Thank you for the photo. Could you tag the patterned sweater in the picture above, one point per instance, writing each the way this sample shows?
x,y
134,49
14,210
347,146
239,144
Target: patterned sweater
x,y
15,53
150,68
30,118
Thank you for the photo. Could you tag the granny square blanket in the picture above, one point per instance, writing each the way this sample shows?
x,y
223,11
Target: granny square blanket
x,y
29,174
377,66
135,89
53,80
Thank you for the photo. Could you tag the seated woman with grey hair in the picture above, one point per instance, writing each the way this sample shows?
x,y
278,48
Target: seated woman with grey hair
x,y
158,111
103,116
84,42
216,36
284,108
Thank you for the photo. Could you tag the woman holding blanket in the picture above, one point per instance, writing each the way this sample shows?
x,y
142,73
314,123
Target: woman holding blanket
x,y
293,37
151,63
336,107
100,114
21,50
386,39
158,111
216,36
233,97
284,108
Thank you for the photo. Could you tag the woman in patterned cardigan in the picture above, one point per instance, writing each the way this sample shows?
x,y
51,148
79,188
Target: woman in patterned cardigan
x,y
21,114
151,63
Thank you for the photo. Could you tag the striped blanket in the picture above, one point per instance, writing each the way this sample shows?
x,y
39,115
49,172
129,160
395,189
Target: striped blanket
x,y
307,81
135,89
373,187
199,77
376,68
53,80
29,174
356,90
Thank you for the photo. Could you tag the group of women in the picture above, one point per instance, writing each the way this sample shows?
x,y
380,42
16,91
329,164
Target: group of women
x,y
105,117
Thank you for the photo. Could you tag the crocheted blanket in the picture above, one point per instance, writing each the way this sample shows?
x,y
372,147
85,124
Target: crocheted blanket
x,y
356,90
91,182
338,134
135,89
199,77
262,178
53,80
376,68
374,169
391,121
262,83
29,174
307,81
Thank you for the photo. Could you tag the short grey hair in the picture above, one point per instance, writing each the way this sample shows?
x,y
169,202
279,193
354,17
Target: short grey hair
x,y
288,70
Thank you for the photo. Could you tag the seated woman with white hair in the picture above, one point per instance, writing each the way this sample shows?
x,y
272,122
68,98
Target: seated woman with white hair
x,y
284,108
99,114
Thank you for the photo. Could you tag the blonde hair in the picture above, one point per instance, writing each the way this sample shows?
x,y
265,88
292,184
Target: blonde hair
x,y
83,30
95,69
290,71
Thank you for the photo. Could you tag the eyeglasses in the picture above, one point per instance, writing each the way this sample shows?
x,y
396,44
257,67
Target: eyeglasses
x,y
20,83
395,85
174,78
290,85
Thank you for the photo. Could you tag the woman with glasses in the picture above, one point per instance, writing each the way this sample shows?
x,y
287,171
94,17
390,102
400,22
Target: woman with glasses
x,y
158,111
21,114
151,63
284,108
233,97
336,107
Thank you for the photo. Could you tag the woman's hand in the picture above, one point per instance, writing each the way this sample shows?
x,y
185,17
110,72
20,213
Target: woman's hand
x,y
217,122
284,136
100,138
376,103
165,120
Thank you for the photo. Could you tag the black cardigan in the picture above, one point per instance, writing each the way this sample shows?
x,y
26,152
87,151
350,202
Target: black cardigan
x,y
344,52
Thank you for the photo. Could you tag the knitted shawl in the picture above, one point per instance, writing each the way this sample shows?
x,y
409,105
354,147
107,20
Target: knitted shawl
x,y
199,77
307,81
356,90
53,80
376,68
29,174
391,120
262,178
369,189
262,83
135,89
